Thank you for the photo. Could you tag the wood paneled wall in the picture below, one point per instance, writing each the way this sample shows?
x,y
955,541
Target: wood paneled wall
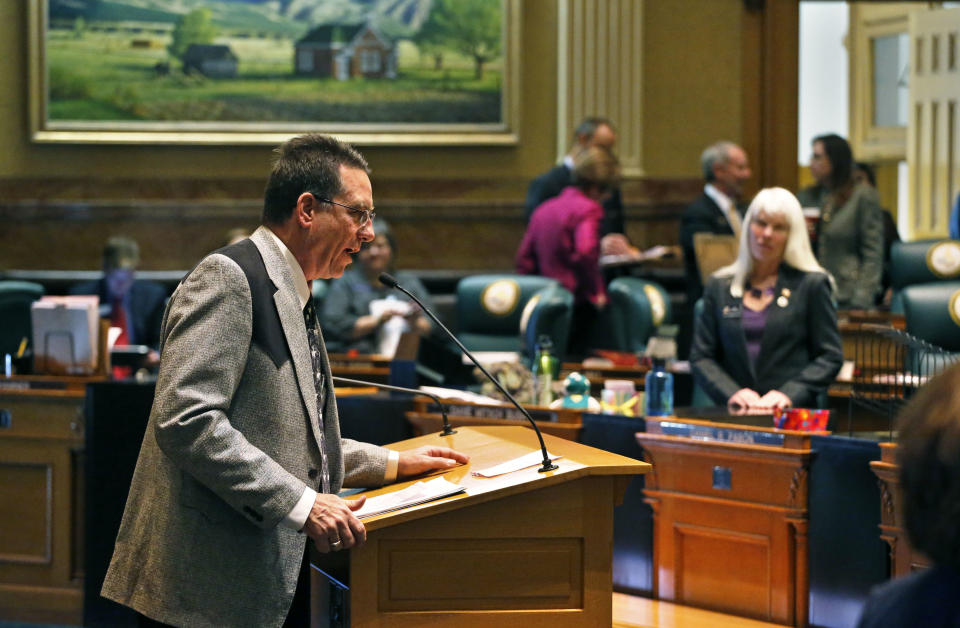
x,y
174,233
457,207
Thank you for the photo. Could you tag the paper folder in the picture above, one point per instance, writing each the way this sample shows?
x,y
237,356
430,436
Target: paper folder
x,y
65,334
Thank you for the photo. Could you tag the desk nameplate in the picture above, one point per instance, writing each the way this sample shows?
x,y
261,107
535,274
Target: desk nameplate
x,y
721,433
495,412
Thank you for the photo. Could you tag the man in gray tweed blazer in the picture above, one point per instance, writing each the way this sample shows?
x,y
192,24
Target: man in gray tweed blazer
x,y
242,457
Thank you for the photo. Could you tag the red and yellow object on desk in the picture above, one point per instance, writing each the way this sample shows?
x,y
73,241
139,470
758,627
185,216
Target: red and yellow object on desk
x,y
801,419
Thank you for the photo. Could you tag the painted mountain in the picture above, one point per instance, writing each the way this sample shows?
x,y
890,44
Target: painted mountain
x,y
397,17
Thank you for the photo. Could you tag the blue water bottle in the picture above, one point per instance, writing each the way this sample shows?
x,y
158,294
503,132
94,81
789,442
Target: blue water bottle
x,y
658,393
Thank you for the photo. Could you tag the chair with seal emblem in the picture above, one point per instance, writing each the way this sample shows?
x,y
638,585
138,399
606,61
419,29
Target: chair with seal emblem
x,y
921,262
508,312
637,307
932,314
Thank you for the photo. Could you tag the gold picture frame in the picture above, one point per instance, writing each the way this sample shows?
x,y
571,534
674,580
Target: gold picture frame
x,y
51,129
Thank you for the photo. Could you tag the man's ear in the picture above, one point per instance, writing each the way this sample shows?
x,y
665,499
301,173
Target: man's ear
x,y
306,209
718,167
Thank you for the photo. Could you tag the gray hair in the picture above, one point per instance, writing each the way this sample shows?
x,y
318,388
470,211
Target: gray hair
x,y
715,153
589,126
797,252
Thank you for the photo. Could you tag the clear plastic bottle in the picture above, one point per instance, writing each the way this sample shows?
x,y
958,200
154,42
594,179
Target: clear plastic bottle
x,y
546,368
658,393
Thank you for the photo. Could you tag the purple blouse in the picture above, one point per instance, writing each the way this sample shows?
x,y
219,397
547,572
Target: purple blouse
x,y
753,324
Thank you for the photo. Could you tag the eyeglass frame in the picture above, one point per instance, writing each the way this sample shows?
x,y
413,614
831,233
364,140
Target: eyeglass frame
x,y
368,214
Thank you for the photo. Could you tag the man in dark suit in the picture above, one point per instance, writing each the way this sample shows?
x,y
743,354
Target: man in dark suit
x,y
590,132
242,458
725,171
134,305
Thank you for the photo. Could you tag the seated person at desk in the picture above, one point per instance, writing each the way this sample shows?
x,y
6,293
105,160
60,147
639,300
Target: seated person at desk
x,y
133,305
767,334
562,241
357,306
929,458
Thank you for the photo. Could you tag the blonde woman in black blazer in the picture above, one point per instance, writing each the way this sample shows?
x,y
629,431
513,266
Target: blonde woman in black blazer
x,y
767,334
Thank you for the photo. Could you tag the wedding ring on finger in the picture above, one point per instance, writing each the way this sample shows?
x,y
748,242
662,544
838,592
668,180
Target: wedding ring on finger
x,y
336,545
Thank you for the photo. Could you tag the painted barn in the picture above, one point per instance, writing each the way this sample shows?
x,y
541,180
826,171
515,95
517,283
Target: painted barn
x,y
346,51
212,60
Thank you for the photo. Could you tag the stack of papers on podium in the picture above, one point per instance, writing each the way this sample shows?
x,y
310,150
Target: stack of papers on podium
x,y
65,338
419,493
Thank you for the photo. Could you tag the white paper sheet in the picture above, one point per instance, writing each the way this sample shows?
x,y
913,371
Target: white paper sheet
x,y
528,460
388,335
460,395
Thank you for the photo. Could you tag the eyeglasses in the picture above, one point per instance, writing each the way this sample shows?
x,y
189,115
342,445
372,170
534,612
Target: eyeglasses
x,y
366,215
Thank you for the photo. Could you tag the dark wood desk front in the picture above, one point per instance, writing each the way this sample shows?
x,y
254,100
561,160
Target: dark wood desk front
x,y
41,499
730,516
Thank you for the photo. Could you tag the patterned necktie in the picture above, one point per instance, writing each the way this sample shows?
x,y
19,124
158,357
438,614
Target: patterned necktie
x,y
313,337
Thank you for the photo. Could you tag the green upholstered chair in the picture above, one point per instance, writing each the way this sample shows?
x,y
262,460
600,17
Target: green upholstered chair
x,y
932,314
15,300
921,262
318,290
548,312
700,398
490,309
637,307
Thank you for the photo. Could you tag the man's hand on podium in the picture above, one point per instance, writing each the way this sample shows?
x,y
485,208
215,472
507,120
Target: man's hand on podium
x,y
332,524
427,458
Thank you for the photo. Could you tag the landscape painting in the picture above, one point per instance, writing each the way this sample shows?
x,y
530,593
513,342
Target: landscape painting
x,y
252,69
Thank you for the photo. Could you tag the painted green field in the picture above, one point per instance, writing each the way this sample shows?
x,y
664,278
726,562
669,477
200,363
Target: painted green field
x,y
112,76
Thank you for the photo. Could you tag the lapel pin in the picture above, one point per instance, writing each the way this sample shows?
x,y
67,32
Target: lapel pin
x,y
785,292
782,301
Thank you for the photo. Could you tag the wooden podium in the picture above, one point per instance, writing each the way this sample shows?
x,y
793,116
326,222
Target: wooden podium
x,y
521,549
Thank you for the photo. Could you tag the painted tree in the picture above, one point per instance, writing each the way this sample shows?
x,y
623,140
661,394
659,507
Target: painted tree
x,y
431,40
471,27
79,27
196,27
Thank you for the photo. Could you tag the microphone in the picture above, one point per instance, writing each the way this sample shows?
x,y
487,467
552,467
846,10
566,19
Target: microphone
x,y
390,282
447,430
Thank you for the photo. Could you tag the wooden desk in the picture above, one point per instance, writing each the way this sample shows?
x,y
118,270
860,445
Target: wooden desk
x,y
522,549
41,499
598,375
850,322
730,516
373,368
561,422
904,560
